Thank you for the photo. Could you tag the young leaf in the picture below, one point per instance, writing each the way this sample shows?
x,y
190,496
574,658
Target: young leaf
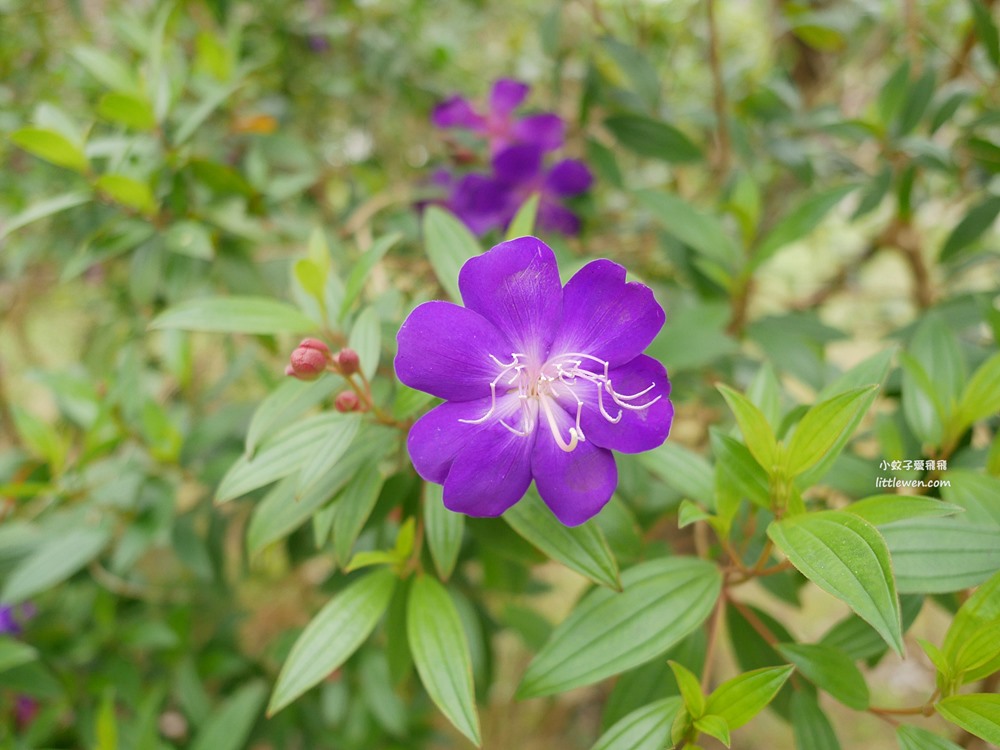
x,y
444,530
980,612
127,191
229,726
127,109
259,315
845,556
51,146
977,713
740,699
822,427
336,632
441,654
690,687
448,244
939,555
663,600
646,728
915,738
830,670
523,223
654,138
581,548
753,424
714,726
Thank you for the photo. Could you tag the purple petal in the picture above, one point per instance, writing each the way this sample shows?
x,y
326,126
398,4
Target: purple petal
x,y
490,474
547,131
518,165
569,177
553,217
516,287
456,112
481,203
444,350
507,95
605,317
440,435
639,429
575,484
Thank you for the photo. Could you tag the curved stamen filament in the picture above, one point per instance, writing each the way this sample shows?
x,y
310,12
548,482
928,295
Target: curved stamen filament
x,y
574,438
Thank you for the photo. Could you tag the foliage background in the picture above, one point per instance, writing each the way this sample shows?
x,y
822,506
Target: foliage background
x,y
805,185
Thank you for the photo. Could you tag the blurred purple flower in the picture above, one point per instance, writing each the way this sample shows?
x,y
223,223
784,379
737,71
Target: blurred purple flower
x,y
497,124
25,710
520,173
540,382
12,618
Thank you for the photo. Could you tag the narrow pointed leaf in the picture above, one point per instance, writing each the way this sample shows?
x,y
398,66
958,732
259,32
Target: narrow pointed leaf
x,y
812,728
978,714
753,424
336,632
53,561
830,670
581,548
523,223
449,244
822,427
443,529
740,699
646,728
229,726
234,315
51,146
285,404
915,738
608,632
939,555
327,451
845,556
882,509
440,651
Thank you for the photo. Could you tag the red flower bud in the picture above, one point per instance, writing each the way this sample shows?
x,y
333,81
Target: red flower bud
x,y
348,361
307,363
314,344
346,402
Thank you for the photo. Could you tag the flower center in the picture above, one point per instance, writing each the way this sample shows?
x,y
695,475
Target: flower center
x,y
565,376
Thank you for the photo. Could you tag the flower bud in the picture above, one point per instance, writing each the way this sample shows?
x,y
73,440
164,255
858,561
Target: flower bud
x,y
346,402
348,362
309,360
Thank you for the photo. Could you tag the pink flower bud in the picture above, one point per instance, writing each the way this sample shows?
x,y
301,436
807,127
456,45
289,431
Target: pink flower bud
x,y
346,402
348,361
314,344
307,363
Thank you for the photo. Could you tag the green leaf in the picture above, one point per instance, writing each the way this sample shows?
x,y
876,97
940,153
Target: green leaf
x,y
366,340
882,509
441,654
285,404
812,728
190,238
799,222
845,556
363,268
127,109
640,72
109,70
43,209
581,548
258,315
354,507
443,529
714,726
737,472
977,713
646,728
51,146
228,728
127,192
327,451
336,632
939,555
283,455
976,494
922,408
702,231
199,114
915,738
683,470
523,224
831,670
753,424
918,97
823,426
859,640
654,138
986,30
973,225
106,725
740,699
57,558
981,397
979,613
448,244
690,687
608,632
13,653
892,93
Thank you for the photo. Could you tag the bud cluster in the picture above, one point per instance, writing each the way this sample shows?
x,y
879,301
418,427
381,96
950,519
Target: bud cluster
x,y
312,358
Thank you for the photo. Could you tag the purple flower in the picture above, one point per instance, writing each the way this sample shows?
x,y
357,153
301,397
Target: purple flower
x,y
8,623
520,174
540,382
498,124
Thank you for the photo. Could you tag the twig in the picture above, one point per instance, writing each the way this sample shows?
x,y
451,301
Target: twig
x,y
714,627
723,153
